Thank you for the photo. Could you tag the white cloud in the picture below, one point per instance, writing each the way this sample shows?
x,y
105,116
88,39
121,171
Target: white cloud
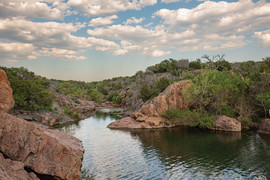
x,y
263,37
42,34
17,51
101,21
61,54
222,17
133,20
46,9
170,1
52,36
104,7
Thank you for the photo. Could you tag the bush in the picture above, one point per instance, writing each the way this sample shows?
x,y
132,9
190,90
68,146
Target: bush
x,y
146,93
30,92
96,96
161,85
115,97
190,117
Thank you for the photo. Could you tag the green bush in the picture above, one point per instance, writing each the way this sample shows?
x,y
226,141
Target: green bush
x,y
96,96
190,117
146,93
115,97
30,92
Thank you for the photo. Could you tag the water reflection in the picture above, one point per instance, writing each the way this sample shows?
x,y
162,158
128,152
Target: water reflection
x,y
173,153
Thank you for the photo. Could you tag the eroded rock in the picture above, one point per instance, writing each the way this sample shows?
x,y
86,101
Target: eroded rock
x,y
225,123
6,98
10,170
265,126
45,151
150,115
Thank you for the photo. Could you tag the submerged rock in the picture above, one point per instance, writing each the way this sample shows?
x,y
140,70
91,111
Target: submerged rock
x,y
10,170
265,126
225,123
45,151
6,98
150,115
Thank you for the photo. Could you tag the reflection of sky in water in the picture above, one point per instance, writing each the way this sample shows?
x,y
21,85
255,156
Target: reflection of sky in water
x,y
177,153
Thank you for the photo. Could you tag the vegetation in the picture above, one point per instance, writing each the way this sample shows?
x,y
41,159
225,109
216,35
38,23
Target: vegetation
x,y
148,92
242,94
241,91
30,91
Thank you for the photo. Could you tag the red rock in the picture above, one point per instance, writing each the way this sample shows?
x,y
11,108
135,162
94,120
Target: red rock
x,y
225,123
43,150
10,170
150,115
6,98
265,126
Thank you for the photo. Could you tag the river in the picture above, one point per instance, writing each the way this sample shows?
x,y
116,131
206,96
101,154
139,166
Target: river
x,y
174,153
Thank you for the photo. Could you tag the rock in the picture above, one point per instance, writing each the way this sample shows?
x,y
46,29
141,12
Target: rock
x,y
45,151
265,126
6,98
225,123
150,115
10,170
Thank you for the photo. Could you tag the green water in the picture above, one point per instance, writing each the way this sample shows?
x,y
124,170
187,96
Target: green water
x,y
175,153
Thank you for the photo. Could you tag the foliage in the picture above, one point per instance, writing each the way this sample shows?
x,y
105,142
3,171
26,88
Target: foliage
x,y
196,65
96,96
70,112
190,117
30,92
173,66
115,97
148,92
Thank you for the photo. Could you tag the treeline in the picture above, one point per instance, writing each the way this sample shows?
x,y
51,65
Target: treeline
x,y
241,92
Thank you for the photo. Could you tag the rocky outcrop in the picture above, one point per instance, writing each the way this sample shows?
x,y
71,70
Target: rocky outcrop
x,y
150,115
225,123
45,151
82,108
6,98
10,170
265,126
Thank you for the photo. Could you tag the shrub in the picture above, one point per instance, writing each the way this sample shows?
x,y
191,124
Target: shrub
x,y
190,117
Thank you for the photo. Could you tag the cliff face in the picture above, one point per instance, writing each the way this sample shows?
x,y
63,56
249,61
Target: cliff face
x,y
150,115
45,151
6,98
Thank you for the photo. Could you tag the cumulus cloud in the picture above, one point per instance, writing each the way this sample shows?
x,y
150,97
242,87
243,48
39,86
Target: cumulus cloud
x,y
16,51
101,21
46,9
133,20
222,17
170,1
61,54
263,37
104,7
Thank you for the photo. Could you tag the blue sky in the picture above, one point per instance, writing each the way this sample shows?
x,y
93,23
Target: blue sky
x,y
92,40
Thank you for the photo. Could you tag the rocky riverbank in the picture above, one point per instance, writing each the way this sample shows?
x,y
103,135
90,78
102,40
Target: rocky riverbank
x,y
24,145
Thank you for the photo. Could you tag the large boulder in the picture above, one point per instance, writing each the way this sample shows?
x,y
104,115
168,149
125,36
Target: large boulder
x,y
265,126
45,151
10,170
150,115
225,123
6,98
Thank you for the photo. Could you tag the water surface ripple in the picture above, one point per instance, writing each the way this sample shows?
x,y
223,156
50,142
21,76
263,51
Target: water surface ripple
x,y
175,153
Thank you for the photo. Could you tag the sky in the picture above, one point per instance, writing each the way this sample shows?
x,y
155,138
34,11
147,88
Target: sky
x,y
92,40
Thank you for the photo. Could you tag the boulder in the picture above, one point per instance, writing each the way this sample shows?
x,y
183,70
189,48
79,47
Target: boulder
x,y
6,98
225,123
150,115
265,126
45,151
10,170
